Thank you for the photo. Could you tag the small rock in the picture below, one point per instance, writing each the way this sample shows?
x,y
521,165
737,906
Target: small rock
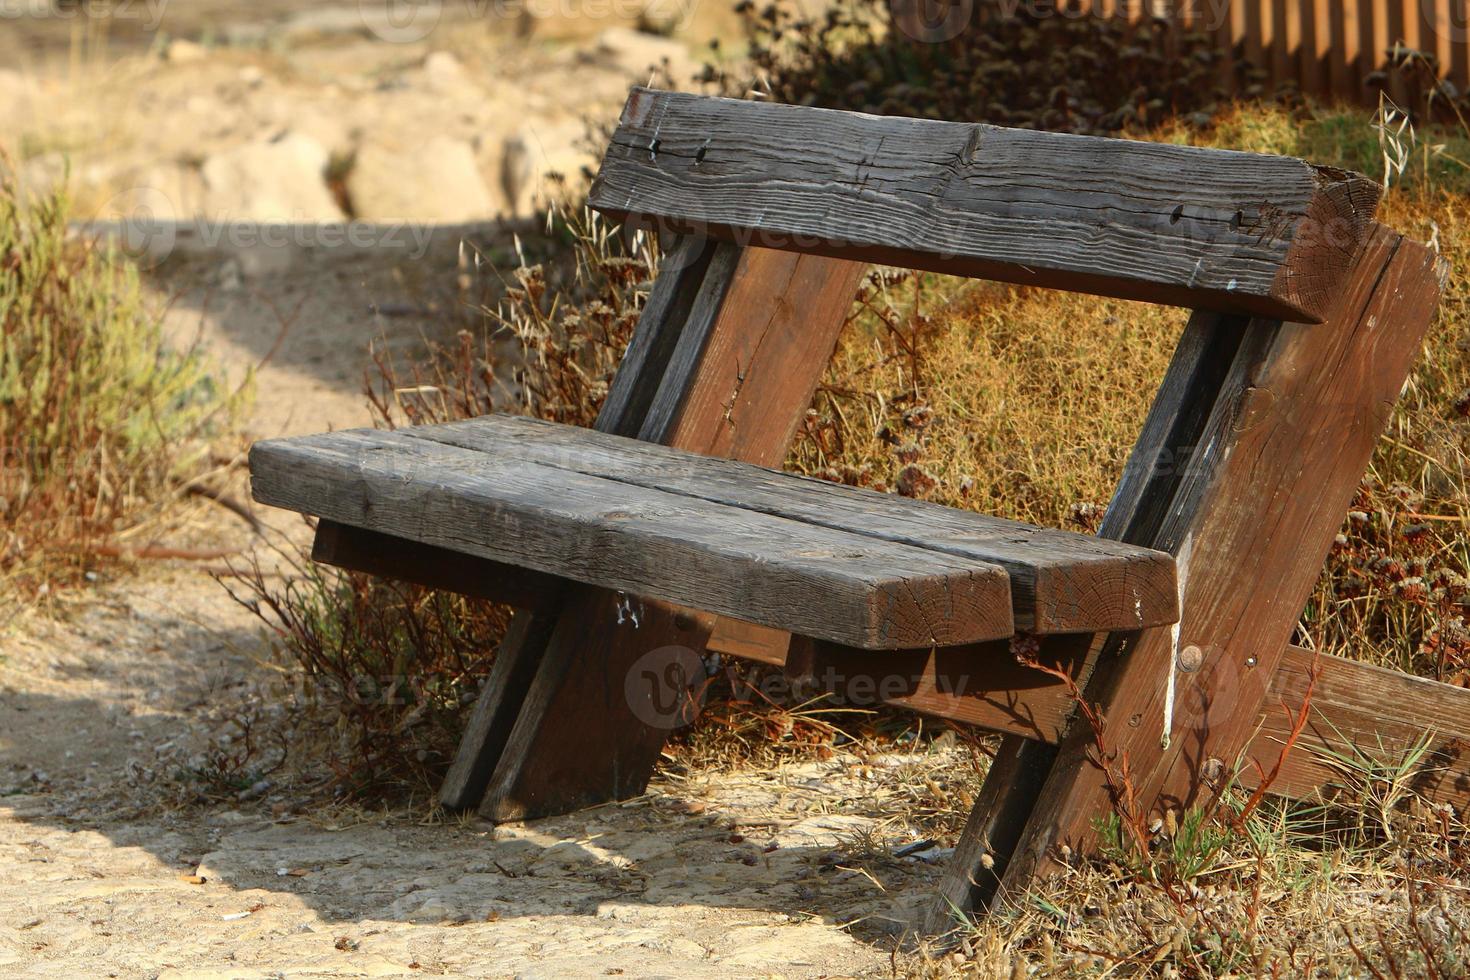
x,y
255,790
443,72
433,910
182,52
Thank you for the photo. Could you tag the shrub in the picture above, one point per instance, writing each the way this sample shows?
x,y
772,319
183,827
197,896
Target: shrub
x,y
1011,67
101,423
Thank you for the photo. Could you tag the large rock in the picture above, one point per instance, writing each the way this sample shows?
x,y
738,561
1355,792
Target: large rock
x,y
436,181
277,180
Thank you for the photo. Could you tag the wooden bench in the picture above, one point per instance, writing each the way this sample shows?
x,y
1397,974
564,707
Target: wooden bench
x,y
664,531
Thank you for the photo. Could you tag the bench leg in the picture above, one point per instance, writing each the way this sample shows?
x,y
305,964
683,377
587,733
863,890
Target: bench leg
x,y
1285,436
736,369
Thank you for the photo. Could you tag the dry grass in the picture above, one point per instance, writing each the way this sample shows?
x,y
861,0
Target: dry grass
x,y
1024,403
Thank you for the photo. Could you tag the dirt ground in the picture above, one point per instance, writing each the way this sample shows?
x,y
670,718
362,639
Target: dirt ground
x,y
106,870
103,874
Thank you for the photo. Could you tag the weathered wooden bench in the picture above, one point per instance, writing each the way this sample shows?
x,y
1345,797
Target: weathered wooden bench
x,y
628,546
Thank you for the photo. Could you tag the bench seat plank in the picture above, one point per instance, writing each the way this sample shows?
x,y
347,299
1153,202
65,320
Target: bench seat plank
x,y
1214,229
1061,582
852,589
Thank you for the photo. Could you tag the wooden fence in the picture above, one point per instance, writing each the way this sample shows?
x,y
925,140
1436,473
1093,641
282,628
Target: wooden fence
x,y
1352,49
1347,48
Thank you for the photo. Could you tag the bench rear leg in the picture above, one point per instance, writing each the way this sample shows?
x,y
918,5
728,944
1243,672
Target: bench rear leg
x,y
1287,436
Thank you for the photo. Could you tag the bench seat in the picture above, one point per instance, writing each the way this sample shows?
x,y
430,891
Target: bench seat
x,y
837,563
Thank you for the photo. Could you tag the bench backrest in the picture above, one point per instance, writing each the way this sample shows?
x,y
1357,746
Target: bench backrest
x,y
1234,232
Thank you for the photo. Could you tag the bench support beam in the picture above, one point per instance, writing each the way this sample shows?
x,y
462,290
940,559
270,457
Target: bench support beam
x,y
724,362
1285,436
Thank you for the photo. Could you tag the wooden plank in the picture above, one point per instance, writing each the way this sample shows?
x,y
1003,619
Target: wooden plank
x,y
1316,46
1256,29
499,705
1226,41
781,313
1287,55
1456,26
977,867
848,588
689,346
1061,581
388,556
1343,68
1287,443
1371,31
1380,712
1170,224
684,282
980,684
1438,39
736,638
755,383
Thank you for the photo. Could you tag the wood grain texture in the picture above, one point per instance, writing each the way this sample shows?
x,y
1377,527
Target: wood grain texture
x,y
776,329
1285,445
844,587
388,556
1061,582
980,684
1380,713
736,638
1170,224
683,283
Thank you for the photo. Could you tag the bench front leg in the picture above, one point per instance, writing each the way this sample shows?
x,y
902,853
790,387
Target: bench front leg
x,y
725,362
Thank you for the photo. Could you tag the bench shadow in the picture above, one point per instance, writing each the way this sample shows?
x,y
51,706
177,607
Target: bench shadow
x,y
311,298
759,842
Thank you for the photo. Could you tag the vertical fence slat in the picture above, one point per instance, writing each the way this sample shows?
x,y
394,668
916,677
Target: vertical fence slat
x,y
1397,36
1255,33
1224,31
1434,40
1316,46
1454,27
1289,41
1327,48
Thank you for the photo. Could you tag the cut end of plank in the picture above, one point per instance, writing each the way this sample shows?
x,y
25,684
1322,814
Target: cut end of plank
x,y
938,610
1123,594
1327,242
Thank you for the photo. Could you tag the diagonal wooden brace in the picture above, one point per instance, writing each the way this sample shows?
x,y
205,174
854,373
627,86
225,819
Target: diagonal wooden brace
x,y
1274,424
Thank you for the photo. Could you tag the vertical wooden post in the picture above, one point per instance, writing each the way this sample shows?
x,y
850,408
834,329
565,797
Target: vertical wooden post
x,y
726,364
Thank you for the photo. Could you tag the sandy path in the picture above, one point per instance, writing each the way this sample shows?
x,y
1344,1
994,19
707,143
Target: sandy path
x,y
715,876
